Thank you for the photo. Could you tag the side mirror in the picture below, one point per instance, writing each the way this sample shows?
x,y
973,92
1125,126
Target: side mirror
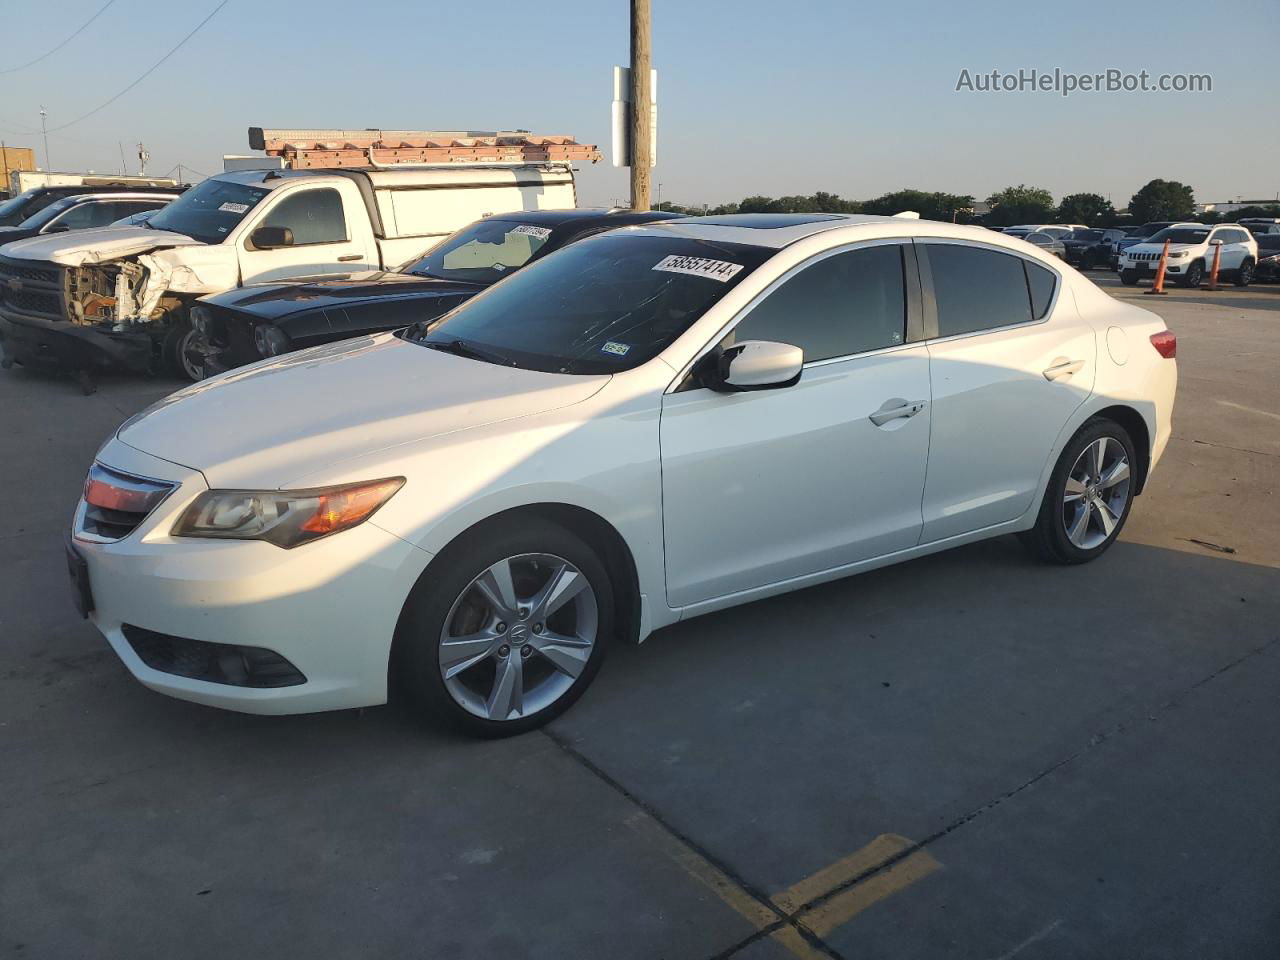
x,y
271,238
1215,242
754,365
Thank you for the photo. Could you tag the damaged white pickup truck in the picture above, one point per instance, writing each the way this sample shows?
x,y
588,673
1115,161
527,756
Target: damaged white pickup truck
x,y
120,297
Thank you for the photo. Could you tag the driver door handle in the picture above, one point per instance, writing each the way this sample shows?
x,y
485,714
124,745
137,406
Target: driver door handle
x,y
1062,368
907,408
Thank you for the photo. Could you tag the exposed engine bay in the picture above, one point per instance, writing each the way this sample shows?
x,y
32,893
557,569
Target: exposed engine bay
x,y
123,295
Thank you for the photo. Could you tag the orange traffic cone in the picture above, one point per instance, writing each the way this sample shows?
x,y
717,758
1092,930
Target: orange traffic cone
x,y
1158,288
1213,273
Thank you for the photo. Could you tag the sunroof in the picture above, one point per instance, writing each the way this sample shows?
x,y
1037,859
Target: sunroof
x,y
766,221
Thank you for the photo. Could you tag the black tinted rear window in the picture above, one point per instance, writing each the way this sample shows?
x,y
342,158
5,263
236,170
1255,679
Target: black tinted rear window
x,y
977,289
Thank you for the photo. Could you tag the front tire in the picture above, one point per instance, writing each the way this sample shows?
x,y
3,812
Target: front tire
x,y
506,629
1089,496
1194,275
178,339
1129,277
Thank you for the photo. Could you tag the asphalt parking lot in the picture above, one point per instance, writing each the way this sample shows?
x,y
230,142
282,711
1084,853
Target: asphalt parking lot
x,y
970,755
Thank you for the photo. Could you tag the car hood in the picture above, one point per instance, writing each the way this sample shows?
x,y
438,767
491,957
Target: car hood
x,y
274,300
272,423
95,246
1158,247
12,234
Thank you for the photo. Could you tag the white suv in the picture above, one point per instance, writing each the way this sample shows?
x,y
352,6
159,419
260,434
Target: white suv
x,y
1191,252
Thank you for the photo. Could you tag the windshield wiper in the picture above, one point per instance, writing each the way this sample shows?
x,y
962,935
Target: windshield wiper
x,y
461,349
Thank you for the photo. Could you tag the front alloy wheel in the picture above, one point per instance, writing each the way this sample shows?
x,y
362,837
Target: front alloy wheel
x,y
518,637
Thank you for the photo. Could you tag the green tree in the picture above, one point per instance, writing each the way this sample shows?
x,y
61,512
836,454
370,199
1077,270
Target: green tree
x,y
1163,200
1020,204
1254,210
930,206
1091,209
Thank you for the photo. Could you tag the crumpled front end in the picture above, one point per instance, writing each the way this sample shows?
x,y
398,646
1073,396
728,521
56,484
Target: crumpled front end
x,y
87,317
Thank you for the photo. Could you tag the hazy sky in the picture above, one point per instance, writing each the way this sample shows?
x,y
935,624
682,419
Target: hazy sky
x,y
754,97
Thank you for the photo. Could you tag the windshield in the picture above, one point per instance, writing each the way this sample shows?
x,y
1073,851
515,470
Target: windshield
x,y
1087,235
11,209
484,252
208,211
37,220
600,305
1147,229
1180,235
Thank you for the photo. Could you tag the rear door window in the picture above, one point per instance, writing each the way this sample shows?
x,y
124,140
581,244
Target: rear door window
x,y
977,289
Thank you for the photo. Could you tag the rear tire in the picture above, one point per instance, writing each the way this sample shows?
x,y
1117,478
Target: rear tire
x,y
449,603
1086,503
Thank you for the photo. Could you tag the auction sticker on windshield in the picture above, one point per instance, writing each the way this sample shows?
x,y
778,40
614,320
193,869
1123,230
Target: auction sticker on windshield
x,y
234,207
616,348
721,270
538,233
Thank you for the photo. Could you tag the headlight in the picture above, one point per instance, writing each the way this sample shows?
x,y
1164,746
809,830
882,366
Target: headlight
x,y
270,340
286,518
200,320
1177,254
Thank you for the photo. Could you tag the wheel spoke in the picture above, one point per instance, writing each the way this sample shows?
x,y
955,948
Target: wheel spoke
x,y
567,654
1099,455
460,653
562,586
1119,471
507,696
498,589
1075,490
1081,526
1106,517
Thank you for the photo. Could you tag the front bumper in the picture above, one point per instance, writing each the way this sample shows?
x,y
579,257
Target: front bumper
x,y
63,345
329,608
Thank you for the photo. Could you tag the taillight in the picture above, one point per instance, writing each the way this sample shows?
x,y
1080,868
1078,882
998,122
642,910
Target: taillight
x,y
1166,344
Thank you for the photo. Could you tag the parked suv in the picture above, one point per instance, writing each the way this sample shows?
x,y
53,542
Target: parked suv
x,y
83,212
1091,248
1138,235
1191,253
1268,267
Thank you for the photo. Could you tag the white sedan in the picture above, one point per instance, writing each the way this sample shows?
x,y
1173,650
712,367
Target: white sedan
x,y
649,425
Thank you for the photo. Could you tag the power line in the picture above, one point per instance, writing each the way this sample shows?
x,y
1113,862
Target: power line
x,y
83,27
147,73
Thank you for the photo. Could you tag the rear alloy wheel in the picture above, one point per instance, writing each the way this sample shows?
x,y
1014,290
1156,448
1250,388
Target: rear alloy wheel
x,y
1244,276
1089,496
508,631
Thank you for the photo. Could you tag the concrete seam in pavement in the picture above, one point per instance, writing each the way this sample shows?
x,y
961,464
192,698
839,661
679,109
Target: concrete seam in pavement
x,y
743,884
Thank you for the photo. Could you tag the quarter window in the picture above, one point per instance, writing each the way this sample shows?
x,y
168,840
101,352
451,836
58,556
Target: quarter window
x,y
314,216
843,304
977,289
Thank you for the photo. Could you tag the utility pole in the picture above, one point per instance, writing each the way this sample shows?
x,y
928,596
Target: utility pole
x,y
143,157
641,104
44,133
4,153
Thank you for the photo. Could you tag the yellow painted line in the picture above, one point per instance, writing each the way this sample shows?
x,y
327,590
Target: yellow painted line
x,y
718,882
882,848
847,904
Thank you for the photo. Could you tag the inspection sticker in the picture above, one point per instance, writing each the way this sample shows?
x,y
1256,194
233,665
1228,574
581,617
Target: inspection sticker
x,y
538,233
617,349
721,270
234,207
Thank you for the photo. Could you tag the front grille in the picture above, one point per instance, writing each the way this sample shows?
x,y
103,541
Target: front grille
x,y
1144,256
30,301
228,663
115,503
32,288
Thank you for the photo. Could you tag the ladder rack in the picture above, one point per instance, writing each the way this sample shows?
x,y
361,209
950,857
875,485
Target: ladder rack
x,y
302,149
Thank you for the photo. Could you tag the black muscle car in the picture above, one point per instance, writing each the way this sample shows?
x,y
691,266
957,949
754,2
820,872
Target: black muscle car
x,y
267,319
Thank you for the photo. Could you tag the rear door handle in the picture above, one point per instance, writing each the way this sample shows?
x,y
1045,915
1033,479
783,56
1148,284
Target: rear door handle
x,y
902,408
349,258
1062,367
